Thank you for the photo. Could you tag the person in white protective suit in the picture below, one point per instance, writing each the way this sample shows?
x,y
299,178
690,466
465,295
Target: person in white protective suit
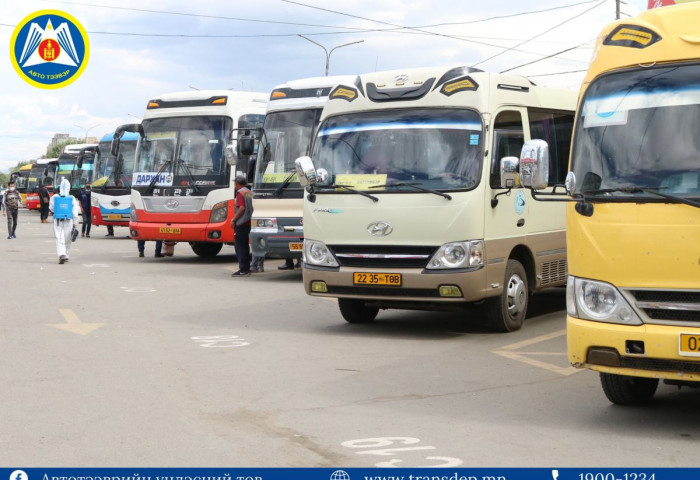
x,y
62,227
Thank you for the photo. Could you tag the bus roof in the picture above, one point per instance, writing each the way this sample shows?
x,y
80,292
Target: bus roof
x,y
76,147
205,102
660,35
443,87
28,166
305,92
126,137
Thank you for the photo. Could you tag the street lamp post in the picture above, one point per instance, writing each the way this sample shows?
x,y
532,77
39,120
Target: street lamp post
x,y
328,53
86,130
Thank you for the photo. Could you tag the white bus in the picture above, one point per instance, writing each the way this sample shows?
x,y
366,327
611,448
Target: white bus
x,y
293,112
186,162
414,197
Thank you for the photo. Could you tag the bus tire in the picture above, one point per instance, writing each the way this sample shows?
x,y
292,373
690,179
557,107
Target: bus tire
x,y
626,390
506,312
355,311
206,249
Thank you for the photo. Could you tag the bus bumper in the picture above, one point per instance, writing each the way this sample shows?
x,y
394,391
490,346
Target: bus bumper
x,y
282,245
652,351
113,217
419,288
182,232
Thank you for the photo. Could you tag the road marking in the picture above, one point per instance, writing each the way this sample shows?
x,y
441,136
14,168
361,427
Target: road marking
x,y
73,323
511,352
220,341
138,289
377,443
91,265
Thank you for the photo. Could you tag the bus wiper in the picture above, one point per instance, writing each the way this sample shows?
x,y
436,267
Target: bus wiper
x,y
182,163
650,191
349,189
284,184
155,178
413,185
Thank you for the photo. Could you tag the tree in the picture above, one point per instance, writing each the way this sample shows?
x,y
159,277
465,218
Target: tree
x,y
56,150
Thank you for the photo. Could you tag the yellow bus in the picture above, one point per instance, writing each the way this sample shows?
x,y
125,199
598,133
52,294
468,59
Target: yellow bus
x,y
21,179
633,228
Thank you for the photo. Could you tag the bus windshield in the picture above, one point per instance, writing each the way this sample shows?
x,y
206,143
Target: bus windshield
x,y
440,149
36,177
637,134
183,151
109,172
286,137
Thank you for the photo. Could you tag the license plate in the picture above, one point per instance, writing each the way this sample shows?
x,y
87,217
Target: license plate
x,y
296,246
689,345
170,230
113,216
388,279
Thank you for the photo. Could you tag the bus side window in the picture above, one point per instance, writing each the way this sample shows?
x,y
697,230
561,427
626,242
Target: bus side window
x,y
554,127
508,140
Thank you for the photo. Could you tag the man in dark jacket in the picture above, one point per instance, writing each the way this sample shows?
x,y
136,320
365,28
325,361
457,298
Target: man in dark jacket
x,y
11,202
85,201
44,197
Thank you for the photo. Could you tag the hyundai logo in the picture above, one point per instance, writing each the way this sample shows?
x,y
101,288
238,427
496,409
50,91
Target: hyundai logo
x,y
379,229
171,204
114,203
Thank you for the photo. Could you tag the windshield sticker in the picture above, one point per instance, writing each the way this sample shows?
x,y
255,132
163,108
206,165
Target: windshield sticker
x,y
160,135
604,119
361,181
141,179
279,177
474,139
474,126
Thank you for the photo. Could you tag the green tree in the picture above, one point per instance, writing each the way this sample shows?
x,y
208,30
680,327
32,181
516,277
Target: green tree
x,y
4,178
56,150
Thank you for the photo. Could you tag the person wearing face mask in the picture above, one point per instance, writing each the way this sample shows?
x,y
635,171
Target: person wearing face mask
x,y
12,202
65,211
85,202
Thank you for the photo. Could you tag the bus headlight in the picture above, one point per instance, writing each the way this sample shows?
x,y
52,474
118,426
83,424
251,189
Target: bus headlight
x,y
316,253
458,255
263,225
219,212
132,214
95,202
598,301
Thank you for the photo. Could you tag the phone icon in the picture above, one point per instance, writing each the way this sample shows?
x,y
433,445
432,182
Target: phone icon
x,y
555,474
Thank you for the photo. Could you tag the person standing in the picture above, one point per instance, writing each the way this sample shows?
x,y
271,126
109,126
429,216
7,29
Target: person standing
x,y
44,198
12,202
85,202
65,211
242,213
141,244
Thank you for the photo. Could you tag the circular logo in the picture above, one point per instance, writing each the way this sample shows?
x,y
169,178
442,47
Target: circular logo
x,y
49,49
19,475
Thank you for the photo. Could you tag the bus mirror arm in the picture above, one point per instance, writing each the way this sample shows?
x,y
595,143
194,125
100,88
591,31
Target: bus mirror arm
x,y
494,200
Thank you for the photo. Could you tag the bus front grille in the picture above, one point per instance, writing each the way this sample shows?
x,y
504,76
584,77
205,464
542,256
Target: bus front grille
x,y
382,256
672,307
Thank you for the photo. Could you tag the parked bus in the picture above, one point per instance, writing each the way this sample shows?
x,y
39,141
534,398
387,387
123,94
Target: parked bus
x,y
111,187
633,226
182,188
414,198
38,176
67,166
21,179
293,113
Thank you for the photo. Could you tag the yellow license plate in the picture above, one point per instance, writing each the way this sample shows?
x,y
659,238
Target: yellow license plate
x,y
296,246
171,230
388,279
114,216
689,345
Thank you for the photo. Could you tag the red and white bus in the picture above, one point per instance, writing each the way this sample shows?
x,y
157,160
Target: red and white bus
x,y
186,162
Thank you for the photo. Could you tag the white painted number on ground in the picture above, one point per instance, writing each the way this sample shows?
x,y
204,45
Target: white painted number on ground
x,y
375,446
221,341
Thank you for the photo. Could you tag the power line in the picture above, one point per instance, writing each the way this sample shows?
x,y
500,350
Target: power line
x,y
540,34
545,58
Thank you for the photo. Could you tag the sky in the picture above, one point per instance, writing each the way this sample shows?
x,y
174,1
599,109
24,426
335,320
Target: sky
x,y
140,49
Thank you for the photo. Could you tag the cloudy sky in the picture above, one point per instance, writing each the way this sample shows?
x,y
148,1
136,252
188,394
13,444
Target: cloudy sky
x,y
140,49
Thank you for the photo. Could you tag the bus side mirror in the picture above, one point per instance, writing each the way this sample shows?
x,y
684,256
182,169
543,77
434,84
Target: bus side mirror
x,y
509,172
305,171
246,146
114,147
534,164
121,129
230,154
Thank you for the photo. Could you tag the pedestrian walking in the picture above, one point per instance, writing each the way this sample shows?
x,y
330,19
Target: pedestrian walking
x,y
85,203
12,202
242,213
66,212
44,198
141,244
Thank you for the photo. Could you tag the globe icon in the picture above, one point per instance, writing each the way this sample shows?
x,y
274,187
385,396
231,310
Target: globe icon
x,y
340,475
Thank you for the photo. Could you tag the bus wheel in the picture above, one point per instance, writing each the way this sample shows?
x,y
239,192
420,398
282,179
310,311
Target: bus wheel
x,y
206,249
506,312
626,390
355,311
